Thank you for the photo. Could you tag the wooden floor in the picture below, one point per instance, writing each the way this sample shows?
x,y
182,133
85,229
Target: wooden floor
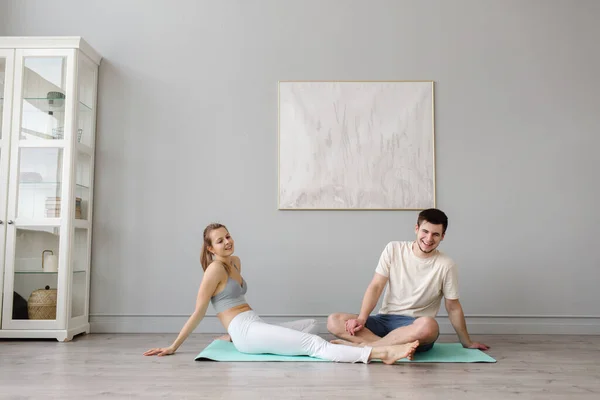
x,y
112,366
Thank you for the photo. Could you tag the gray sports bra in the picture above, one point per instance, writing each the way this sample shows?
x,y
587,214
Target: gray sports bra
x,y
231,296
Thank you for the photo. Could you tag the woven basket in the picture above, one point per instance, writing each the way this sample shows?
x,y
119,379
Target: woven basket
x,y
42,304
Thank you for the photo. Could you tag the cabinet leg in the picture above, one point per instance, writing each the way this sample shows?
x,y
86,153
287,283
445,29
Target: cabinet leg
x,y
64,338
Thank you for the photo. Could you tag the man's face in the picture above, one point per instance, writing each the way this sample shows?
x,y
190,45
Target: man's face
x,y
429,236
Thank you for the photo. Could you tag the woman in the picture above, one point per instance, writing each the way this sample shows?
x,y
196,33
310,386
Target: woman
x,y
224,287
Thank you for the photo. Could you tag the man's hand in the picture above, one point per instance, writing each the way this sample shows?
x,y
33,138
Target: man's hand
x,y
477,345
354,325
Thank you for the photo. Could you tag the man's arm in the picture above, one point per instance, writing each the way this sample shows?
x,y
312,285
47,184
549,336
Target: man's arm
x,y
371,296
369,302
457,319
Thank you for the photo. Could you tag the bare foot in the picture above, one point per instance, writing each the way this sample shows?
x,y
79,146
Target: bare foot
x,y
398,352
225,337
347,343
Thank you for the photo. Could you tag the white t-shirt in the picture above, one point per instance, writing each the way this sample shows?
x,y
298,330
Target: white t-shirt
x,y
416,285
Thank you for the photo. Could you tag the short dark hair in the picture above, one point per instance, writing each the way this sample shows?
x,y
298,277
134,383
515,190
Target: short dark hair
x,y
433,216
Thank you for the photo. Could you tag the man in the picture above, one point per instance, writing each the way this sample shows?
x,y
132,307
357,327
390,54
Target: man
x,y
419,276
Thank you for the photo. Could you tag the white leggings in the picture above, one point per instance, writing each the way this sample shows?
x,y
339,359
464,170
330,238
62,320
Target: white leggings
x,y
250,334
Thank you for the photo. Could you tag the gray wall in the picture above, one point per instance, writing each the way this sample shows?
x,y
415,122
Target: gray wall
x,y
187,134
2,18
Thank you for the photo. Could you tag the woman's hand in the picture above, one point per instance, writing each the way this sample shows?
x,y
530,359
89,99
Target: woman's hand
x,y
160,352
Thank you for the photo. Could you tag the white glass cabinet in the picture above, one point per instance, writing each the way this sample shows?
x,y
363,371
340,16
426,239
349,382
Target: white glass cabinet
x,y
48,91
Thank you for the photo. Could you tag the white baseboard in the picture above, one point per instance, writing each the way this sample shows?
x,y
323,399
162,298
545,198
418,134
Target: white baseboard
x,y
480,325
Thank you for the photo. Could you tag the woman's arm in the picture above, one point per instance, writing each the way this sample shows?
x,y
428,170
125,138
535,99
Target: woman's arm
x,y
214,274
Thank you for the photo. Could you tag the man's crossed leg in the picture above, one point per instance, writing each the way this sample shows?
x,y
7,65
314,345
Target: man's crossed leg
x,y
384,330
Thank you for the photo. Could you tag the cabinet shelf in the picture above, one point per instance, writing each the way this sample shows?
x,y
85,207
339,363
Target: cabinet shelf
x,y
41,272
48,185
58,105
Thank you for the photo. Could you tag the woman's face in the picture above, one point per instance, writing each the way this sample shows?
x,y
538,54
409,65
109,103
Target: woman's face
x,y
222,242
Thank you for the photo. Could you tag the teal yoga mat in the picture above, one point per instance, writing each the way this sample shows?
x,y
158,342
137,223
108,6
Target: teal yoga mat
x,y
220,350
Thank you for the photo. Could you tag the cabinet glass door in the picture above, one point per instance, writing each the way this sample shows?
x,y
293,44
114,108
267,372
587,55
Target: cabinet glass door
x,y
81,240
36,273
36,251
38,185
6,77
43,107
3,62
86,90
87,73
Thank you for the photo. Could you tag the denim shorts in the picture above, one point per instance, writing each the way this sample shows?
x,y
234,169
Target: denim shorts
x,y
382,324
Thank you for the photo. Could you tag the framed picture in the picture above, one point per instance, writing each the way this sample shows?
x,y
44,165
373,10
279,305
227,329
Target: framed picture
x,y
356,145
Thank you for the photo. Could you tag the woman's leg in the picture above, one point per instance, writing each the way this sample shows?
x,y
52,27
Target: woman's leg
x,y
252,335
266,338
302,325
